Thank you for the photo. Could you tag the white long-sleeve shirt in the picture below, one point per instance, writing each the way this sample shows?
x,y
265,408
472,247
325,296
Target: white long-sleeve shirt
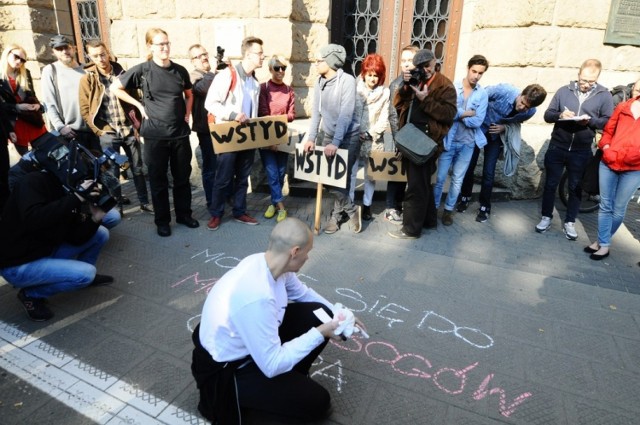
x,y
244,310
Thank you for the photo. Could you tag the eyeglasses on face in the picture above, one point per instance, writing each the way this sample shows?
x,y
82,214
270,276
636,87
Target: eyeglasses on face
x,y
18,58
161,45
201,56
587,82
280,68
258,54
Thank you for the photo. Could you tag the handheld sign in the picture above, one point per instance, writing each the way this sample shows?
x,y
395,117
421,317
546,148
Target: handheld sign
x,y
385,166
231,136
315,167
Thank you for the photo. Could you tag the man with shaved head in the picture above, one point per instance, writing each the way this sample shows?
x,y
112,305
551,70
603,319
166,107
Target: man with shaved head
x,y
258,336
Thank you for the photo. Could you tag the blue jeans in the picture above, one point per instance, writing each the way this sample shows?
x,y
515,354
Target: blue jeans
x,y
232,170
555,160
275,167
69,267
208,164
343,202
458,156
616,190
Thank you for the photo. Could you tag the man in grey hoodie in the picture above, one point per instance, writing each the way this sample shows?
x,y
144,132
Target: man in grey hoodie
x,y
334,112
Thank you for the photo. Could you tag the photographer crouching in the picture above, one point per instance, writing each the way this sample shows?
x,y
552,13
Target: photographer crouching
x,y
51,239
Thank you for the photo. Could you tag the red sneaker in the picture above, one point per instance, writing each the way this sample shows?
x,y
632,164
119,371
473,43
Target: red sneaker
x,y
246,219
214,223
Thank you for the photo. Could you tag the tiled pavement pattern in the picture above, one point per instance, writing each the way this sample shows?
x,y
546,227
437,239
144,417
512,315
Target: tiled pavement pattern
x,y
470,324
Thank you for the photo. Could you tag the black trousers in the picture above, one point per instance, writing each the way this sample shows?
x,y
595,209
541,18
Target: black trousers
x,y
4,173
419,208
292,396
159,155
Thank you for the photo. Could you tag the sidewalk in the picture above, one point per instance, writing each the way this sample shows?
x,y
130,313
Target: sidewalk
x,y
470,324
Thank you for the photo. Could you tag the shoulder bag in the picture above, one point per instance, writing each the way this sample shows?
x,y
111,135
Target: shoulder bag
x,y
413,143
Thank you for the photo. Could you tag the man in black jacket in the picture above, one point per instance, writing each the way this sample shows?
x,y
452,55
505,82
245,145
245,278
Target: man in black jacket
x,y
49,245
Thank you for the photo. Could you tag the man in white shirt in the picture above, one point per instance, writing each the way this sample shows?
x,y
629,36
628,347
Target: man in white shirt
x,y
258,335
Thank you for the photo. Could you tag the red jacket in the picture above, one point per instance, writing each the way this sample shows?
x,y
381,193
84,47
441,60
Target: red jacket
x,y
622,134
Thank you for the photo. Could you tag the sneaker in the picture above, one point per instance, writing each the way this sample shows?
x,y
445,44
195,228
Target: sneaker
x,y
270,212
355,222
147,208
35,308
483,215
246,219
447,218
399,234
463,204
282,214
393,216
544,224
332,226
213,223
366,213
570,231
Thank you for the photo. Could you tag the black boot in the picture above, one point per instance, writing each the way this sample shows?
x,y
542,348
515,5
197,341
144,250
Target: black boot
x,y
366,212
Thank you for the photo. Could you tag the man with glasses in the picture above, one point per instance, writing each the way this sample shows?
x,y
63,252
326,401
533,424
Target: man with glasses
x,y
201,78
507,108
235,102
60,83
577,111
105,115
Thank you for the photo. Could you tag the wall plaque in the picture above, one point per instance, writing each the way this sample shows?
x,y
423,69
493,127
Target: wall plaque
x,y
623,26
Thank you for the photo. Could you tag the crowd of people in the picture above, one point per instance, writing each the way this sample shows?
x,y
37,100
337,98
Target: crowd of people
x,y
257,353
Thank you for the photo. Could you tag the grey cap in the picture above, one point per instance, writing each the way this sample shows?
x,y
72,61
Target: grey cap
x,y
334,55
423,57
59,41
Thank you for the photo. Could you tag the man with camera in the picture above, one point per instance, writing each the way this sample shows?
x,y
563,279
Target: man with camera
x,y
201,79
428,101
51,239
105,114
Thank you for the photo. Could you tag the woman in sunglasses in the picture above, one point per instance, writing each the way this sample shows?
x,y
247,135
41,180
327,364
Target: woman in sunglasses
x,y
20,102
276,98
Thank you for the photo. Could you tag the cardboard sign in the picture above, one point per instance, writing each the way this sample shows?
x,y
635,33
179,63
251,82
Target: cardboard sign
x,y
295,137
231,136
315,167
385,166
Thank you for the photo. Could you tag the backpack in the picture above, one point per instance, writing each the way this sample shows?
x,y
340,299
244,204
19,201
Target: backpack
x,y
211,119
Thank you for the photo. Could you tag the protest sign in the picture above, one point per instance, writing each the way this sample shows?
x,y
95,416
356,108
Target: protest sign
x,y
315,167
231,136
385,166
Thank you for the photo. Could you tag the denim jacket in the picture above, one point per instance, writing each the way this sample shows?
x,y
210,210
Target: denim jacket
x,y
502,99
478,101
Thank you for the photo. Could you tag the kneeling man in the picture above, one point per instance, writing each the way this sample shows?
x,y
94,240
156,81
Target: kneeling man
x,y
258,335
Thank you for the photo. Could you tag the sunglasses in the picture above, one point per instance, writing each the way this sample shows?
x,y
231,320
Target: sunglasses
x,y
279,68
18,58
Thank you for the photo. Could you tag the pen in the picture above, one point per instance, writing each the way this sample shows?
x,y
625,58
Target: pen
x,y
364,334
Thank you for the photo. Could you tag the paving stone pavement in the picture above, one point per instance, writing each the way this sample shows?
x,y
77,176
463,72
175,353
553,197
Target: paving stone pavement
x,y
470,324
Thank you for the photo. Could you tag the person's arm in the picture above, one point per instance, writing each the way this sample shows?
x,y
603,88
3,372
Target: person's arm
x,y
119,91
201,84
218,95
49,98
188,100
610,128
291,106
379,126
554,110
480,104
256,325
314,123
347,109
263,101
84,99
605,112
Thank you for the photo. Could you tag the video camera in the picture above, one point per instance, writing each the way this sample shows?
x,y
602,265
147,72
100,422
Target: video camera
x,y
220,58
73,164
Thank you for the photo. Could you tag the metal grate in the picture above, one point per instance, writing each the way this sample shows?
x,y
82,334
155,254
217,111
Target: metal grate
x,y
361,30
430,23
89,19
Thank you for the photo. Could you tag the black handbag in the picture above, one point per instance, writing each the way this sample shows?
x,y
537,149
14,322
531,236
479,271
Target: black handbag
x,y
413,143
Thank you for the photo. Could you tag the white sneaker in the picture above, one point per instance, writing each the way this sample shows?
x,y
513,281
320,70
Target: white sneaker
x,y
570,231
544,224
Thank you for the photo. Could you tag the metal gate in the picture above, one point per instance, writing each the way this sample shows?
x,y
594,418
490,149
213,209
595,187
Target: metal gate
x,y
384,27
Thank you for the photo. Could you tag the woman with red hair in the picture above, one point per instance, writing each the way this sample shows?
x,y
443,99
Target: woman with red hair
x,y
372,107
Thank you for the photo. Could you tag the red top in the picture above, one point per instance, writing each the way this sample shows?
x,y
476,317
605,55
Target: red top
x,y
25,132
276,99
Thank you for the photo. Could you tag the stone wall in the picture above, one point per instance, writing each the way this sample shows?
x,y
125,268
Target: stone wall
x,y
293,28
544,42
